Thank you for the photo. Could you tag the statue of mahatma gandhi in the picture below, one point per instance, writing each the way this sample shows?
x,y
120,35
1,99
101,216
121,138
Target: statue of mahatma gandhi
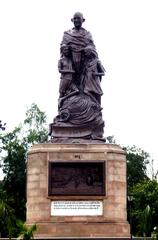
x,y
79,106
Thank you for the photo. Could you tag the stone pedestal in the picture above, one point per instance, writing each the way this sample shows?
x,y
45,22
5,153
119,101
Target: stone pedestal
x,y
112,222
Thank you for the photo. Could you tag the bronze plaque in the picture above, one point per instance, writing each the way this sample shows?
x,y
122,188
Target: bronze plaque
x,y
76,178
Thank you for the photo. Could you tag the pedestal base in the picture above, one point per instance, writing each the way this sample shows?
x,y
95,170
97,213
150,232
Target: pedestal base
x,y
82,229
112,222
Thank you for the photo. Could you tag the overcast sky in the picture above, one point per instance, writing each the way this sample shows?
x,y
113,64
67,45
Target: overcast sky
x,y
125,33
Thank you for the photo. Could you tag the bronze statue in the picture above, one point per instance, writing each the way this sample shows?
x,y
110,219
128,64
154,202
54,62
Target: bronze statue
x,y
79,108
66,69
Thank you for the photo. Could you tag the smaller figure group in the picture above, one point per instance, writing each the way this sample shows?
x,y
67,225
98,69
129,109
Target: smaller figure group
x,y
67,72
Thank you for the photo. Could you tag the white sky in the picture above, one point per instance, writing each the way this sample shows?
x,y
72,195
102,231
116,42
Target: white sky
x,y
126,36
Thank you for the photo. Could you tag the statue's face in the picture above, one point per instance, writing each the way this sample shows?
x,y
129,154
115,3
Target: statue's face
x,y
78,20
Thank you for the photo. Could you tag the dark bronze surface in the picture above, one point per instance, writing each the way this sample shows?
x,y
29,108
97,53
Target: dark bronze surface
x,y
80,92
76,178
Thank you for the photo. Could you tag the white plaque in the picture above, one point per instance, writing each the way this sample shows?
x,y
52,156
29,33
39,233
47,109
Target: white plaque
x,y
76,208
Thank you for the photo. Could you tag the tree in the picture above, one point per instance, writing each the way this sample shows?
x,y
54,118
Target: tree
x,y
145,224
15,146
35,126
137,161
7,215
2,128
137,181
25,232
111,139
145,218
2,125
14,169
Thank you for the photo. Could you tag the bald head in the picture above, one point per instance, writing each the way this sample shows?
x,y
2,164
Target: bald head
x,y
78,14
78,19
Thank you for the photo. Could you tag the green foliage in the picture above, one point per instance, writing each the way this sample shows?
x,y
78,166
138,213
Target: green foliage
x,y
15,146
144,192
2,125
14,168
111,139
137,161
25,232
153,171
144,218
2,128
7,214
35,125
145,224
155,233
